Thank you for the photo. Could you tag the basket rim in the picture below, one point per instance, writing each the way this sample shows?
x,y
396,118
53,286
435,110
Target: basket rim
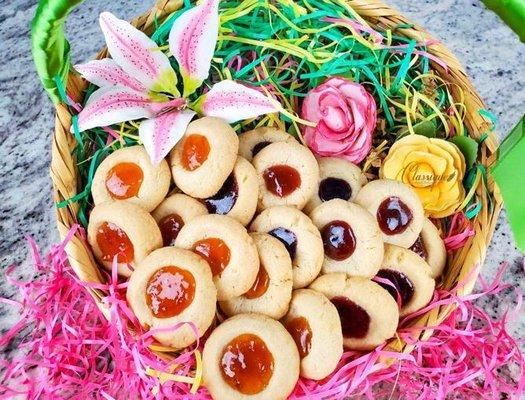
x,y
380,16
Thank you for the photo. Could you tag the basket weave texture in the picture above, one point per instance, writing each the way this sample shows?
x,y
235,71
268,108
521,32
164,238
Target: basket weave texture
x,y
460,266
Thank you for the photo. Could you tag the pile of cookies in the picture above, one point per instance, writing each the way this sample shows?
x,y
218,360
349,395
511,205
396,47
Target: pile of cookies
x,y
279,258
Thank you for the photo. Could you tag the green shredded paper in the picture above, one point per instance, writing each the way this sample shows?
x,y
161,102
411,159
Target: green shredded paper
x,y
287,48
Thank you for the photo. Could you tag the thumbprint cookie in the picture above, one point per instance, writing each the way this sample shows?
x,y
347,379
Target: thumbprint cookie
x,y
314,324
407,277
250,356
300,237
288,175
252,142
271,292
237,198
124,231
368,314
127,175
205,156
351,238
225,244
397,209
174,212
171,286
338,179
431,248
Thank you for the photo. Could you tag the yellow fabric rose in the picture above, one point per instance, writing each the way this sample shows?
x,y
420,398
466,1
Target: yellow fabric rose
x,y
433,167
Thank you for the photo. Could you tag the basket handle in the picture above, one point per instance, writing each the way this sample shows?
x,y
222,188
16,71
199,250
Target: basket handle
x,y
512,12
49,45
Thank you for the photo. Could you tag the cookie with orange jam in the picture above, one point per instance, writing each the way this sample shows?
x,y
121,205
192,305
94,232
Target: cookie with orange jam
x,y
175,211
204,157
271,292
124,231
250,356
288,175
230,252
314,324
127,175
171,286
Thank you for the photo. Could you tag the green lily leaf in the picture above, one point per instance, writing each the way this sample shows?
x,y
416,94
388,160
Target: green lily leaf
x,y
469,148
423,128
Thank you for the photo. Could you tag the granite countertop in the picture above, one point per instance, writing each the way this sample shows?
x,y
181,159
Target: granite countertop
x,y
492,54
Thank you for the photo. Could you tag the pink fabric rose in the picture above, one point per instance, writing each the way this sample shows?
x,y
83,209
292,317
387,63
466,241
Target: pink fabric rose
x,y
345,114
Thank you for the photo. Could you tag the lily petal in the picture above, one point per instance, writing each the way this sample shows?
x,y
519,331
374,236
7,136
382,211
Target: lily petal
x,y
106,72
113,104
138,55
233,102
160,134
192,40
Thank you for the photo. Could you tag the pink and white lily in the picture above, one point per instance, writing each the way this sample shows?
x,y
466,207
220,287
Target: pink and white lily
x,y
138,82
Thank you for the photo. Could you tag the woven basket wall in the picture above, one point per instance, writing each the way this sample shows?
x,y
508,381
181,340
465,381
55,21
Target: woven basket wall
x,y
64,173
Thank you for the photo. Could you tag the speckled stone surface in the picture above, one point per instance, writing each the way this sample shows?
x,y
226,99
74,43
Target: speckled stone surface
x,y
492,54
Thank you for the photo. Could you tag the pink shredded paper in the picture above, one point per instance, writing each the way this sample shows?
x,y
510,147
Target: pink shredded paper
x,y
459,232
68,350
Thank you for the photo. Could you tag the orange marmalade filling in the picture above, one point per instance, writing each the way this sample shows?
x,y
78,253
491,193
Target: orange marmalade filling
x,y
215,252
170,227
124,180
170,291
299,329
195,151
246,364
113,241
260,286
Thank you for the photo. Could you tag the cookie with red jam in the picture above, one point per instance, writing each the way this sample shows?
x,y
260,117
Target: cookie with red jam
x,y
351,238
368,313
288,175
430,246
407,277
174,212
397,209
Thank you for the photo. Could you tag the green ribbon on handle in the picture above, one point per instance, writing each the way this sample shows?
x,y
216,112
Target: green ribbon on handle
x,y
49,45
509,174
512,12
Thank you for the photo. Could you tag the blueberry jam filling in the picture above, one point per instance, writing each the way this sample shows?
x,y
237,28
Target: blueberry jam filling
x,y
334,188
287,238
223,201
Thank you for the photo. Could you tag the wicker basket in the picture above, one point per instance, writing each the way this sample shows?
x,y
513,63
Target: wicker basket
x,y
460,266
